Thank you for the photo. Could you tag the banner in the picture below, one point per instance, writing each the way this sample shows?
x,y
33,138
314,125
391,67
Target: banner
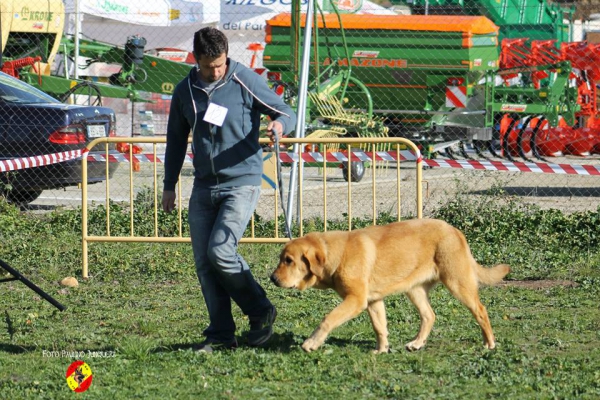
x,y
151,12
171,23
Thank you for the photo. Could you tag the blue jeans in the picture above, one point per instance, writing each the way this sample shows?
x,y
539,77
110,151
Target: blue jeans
x,y
218,218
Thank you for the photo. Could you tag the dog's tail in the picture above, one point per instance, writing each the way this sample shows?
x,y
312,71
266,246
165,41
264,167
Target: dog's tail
x,y
491,276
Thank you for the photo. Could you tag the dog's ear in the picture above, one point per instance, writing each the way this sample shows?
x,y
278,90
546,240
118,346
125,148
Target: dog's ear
x,y
315,259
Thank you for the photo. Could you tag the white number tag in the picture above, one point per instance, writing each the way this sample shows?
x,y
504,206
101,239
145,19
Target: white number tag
x,y
215,114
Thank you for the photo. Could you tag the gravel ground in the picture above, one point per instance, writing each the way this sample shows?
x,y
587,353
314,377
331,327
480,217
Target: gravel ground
x,y
569,193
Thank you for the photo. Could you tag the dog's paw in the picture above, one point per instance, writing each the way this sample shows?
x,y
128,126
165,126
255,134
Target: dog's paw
x,y
310,345
384,350
414,345
490,346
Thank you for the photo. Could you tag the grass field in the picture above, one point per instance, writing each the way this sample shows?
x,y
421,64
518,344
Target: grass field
x,y
136,320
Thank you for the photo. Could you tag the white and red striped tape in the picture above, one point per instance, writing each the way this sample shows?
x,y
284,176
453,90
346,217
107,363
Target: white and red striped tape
x,y
516,166
284,157
316,157
124,158
488,165
38,161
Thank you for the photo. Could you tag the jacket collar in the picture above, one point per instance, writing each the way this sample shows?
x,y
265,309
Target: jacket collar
x,y
232,66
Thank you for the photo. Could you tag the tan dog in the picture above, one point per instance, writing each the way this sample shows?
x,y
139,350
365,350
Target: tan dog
x,y
366,265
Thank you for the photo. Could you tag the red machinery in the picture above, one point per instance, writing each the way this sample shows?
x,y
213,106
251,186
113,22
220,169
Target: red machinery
x,y
534,135
12,67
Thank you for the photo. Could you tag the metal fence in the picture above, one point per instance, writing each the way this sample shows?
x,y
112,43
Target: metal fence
x,y
391,184
496,93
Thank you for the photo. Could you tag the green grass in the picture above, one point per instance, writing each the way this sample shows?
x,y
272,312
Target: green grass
x,y
142,310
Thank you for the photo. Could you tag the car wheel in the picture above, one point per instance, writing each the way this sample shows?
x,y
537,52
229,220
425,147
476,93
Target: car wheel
x,y
357,171
21,197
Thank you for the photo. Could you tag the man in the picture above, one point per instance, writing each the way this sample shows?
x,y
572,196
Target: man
x,y
221,103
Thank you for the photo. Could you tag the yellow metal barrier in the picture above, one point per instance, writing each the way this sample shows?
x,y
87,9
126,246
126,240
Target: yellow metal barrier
x,y
395,143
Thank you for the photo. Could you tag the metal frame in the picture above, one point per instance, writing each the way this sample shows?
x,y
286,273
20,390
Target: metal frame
x,y
277,238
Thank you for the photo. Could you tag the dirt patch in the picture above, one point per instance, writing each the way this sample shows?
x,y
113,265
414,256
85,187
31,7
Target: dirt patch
x,y
541,284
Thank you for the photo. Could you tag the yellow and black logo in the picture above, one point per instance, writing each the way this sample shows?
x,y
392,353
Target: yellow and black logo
x,y
79,376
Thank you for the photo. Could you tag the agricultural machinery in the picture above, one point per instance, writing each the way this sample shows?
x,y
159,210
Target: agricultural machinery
x,y
536,20
442,81
498,75
33,44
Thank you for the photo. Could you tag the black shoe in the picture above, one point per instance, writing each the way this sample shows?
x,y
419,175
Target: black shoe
x,y
261,329
209,345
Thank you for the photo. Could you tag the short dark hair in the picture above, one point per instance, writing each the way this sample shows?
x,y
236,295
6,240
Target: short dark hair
x,y
210,42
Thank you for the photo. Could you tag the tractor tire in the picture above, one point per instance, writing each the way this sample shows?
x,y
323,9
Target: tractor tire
x,y
357,171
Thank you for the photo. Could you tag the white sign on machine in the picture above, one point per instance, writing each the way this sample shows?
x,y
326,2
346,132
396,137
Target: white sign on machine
x,y
163,23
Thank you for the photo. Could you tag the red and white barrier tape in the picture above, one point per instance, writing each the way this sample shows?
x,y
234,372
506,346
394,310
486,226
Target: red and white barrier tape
x,y
124,158
284,157
405,155
316,157
38,161
517,166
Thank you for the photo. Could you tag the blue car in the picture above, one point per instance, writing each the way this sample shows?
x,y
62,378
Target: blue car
x,y
33,123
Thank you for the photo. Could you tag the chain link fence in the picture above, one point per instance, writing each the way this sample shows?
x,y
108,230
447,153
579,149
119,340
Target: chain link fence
x,y
498,94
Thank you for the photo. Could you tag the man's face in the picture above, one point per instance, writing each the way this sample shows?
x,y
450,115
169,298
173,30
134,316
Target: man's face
x,y
212,69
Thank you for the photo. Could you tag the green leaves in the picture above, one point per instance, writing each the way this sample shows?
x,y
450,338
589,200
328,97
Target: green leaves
x,y
143,307
537,243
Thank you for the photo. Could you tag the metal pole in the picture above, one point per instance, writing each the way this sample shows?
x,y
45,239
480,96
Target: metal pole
x,y
301,111
17,276
77,32
1,43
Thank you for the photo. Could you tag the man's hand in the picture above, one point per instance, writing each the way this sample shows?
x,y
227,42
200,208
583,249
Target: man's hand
x,y
168,200
274,128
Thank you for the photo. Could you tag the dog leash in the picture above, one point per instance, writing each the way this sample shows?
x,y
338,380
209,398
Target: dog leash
x,y
280,185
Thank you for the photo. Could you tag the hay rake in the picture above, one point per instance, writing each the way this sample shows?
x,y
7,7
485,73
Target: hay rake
x,y
336,121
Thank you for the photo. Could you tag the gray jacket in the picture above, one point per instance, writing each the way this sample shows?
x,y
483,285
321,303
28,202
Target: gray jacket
x,y
227,155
